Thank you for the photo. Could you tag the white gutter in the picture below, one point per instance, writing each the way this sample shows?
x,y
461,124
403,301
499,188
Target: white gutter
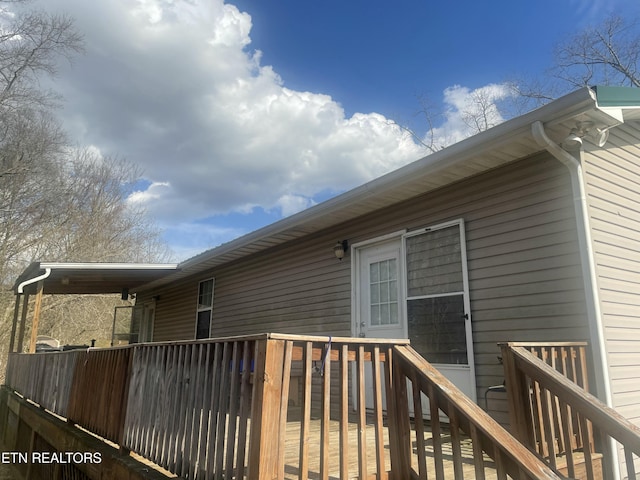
x,y
47,272
594,314
108,266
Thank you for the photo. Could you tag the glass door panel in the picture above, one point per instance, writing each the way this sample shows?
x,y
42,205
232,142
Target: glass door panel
x,y
437,328
437,301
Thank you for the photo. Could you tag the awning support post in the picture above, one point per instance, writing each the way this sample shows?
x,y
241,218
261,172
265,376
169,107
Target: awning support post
x,y
23,321
36,317
16,311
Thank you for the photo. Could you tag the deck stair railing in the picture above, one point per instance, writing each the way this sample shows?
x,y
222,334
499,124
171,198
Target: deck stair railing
x,y
553,413
491,447
277,406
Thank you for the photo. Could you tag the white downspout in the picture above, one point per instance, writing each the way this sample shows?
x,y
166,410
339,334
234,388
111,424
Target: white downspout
x,y
587,259
47,272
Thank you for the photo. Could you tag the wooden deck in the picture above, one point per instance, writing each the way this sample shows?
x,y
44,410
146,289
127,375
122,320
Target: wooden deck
x,y
292,442
292,470
169,403
292,451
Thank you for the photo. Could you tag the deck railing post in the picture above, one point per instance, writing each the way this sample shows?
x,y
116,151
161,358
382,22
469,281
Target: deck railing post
x,y
265,410
400,424
518,395
126,384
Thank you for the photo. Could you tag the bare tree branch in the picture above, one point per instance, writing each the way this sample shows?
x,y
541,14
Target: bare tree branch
x,y
604,54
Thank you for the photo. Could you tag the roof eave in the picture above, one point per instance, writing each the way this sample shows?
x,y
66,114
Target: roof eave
x,y
569,106
70,269
572,106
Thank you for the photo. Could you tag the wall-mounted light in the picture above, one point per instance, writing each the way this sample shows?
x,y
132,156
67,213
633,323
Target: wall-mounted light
x,y
588,130
573,141
599,136
340,249
125,294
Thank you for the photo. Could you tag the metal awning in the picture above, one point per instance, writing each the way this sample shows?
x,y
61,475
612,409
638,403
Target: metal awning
x,y
90,278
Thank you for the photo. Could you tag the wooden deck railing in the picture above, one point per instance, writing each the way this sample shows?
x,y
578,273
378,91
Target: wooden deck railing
x,y
189,405
553,413
321,411
276,406
97,400
469,427
44,378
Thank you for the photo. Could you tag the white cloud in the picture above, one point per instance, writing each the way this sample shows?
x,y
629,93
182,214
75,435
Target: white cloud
x,y
153,192
594,9
290,204
468,112
174,87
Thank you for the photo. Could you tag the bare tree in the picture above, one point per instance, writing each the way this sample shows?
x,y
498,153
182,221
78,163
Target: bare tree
x,y
468,112
481,109
57,202
31,44
430,115
98,223
605,54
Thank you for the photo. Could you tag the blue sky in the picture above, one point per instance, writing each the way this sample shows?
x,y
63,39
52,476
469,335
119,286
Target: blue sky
x,y
245,112
371,57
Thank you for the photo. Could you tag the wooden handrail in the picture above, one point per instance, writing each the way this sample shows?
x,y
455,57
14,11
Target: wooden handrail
x,y
510,456
526,373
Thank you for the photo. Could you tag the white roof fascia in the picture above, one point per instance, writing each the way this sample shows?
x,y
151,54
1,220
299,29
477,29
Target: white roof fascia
x,y
107,266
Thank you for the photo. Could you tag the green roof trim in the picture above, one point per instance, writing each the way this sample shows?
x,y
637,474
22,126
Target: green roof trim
x,y
617,96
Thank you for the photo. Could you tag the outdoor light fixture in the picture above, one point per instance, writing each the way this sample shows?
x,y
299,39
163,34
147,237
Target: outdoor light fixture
x,y
125,294
573,141
599,136
588,130
340,249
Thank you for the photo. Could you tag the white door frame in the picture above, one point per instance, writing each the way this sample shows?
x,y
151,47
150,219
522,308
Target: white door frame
x,y
148,321
356,248
401,236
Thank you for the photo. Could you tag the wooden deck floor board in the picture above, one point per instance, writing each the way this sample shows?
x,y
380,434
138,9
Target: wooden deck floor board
x,y
292,452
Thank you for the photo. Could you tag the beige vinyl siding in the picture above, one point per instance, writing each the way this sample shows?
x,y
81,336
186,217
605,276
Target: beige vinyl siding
x,y
612,179
302,287
524,271
175,313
